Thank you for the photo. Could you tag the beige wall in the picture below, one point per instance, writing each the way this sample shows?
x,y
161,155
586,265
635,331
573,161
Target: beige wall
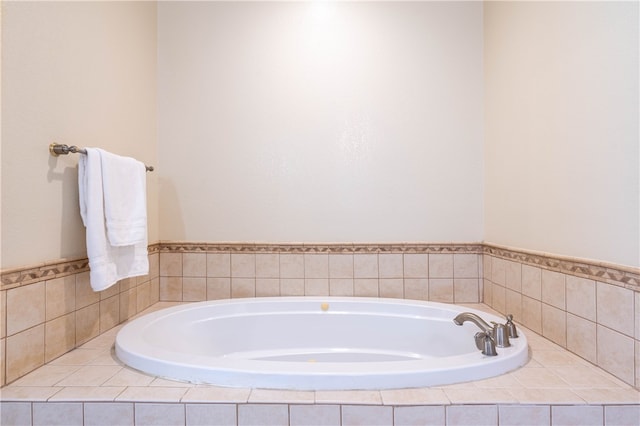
x,y
561,128
313,121
80,73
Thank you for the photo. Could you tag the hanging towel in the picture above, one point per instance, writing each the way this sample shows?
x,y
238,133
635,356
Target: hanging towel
x,y
113,204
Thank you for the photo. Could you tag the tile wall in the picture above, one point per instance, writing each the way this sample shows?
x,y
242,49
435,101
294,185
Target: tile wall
x,y
441,273
50,309
592,310
589,309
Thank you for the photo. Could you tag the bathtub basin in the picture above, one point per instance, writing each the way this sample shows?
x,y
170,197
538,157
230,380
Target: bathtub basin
x,y
313,343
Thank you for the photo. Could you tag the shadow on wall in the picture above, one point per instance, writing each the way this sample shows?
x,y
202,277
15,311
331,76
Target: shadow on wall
x,y
72,231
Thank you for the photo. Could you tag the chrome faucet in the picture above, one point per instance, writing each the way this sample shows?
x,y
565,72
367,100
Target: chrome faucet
x,y
489,337
469,316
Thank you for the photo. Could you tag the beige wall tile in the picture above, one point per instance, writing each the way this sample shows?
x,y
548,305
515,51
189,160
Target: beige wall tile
x,y
465,290
341,287
128,304
171,289
637,314
154,265
465,415
441,290
581,337
267,287
143,296
499,298
194,289
532,314
128,283
390,265
316,265
418,416
2,361
615,353
109,313
340,266
60,336
24,352
371,415
60,295
487,292
110,292
170,264
416,265
292,286
498,271
316,287
513,304
159,414
391,287
637,364
3,313
581,297
466,266
87,323
194,265
554,324
218,288
57,413
416,288
365,265
267,265
554,289
440,266
576,415
525,414
154,290
513,276
243,265
25,307
317,415
532,282
291,266
243,287
85,296
263,414
365,287
219,265
615,308
487,261
211,414
112,413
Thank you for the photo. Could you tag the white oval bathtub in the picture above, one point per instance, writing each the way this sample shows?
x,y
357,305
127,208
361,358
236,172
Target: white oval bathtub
x,y
313,343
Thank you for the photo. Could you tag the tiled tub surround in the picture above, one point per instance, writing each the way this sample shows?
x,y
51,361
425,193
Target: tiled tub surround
x,y
591,310
50,309
90,386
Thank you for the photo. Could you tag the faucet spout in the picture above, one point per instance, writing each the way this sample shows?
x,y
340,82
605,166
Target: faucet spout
x,y
469,316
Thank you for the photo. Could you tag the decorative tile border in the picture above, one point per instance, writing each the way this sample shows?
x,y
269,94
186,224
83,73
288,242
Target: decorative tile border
x,y
612,274
618,275
17,277
346,248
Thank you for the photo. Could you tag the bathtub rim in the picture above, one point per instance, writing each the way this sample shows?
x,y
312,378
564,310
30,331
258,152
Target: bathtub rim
x,y
242,373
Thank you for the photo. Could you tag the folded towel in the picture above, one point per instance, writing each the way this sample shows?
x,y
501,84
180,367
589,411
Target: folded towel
x,y
124,184
108,188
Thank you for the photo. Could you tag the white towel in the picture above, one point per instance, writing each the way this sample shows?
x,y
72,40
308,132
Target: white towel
x,y
113,203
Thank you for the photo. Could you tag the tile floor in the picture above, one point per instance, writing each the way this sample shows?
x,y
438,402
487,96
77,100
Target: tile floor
x,y
555,387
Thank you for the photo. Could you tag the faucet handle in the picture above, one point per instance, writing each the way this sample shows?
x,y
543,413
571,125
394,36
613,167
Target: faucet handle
x,y
511,327
488,344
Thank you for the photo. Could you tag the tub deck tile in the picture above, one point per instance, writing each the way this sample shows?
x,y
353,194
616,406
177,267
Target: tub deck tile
x,y
217,395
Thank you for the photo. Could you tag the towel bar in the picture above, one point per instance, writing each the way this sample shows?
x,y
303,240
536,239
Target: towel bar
x,y
57,149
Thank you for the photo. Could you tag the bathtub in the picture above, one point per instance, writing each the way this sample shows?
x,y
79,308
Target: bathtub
x,y
313,343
